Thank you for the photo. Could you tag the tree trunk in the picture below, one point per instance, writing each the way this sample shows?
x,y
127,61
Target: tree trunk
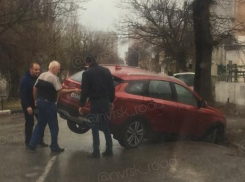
x,y
204,47
14,84
181,62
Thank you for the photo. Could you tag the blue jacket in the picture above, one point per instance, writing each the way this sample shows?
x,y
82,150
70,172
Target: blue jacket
x,y
26,90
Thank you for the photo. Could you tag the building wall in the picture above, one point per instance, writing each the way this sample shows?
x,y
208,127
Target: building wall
x,y
232,92
217,59
236,56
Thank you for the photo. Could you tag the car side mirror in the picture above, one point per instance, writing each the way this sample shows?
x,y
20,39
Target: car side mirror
x,y
202,104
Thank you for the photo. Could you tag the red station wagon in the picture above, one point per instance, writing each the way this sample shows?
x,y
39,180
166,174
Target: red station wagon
x,y
147,104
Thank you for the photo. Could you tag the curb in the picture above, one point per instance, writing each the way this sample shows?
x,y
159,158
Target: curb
x,y
5,112
18,111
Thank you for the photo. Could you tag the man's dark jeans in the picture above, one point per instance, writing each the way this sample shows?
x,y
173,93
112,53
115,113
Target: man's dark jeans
x,y
29,127
99,117
47,114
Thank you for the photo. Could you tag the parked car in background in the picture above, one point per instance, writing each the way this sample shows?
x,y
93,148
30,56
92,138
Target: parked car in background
x,y
187,77
146,104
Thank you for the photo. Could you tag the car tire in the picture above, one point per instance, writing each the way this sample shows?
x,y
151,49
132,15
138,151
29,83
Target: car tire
x,y
215,135
133,134
77,128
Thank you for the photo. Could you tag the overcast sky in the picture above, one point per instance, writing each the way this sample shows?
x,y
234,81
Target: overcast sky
x,y
102,15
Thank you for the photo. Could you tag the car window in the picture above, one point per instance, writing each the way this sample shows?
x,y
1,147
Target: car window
x,y
188,79
136,87
160,90
117,81
77,77
185,96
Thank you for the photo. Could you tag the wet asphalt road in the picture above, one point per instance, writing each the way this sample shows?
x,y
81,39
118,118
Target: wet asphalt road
x,y
176,161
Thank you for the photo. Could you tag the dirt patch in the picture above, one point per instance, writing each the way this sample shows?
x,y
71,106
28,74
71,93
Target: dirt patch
x,y
231,110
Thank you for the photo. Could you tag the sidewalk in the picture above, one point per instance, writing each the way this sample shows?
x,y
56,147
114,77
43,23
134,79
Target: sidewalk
x,y
5,112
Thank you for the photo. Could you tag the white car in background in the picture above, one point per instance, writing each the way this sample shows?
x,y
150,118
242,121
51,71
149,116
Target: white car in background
x,y
187,77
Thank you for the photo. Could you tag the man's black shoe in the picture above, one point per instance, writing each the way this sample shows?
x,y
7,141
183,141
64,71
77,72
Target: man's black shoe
x,y
94,155
107,153
31,149
43,144
59,150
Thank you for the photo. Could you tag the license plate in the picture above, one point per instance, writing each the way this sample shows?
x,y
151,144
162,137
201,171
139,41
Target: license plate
x,y
75,96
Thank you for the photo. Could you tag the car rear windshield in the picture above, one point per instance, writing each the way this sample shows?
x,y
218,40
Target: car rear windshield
x,y
188,79
78,77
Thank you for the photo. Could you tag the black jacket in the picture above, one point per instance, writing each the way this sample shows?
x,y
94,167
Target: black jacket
x,y
97,83
26,90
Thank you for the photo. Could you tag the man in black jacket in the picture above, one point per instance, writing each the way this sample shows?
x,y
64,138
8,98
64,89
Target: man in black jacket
x,y
98,86
27,101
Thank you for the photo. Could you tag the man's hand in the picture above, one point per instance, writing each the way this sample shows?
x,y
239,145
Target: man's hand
x,y
29,110
77,91
111,106
81,111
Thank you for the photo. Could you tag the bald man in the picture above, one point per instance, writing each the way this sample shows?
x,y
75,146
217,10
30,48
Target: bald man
x,y
27,101
45,92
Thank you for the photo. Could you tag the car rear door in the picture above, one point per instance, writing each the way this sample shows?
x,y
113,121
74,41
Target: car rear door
x,y
161,107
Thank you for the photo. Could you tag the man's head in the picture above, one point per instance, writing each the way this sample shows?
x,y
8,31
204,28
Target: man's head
x,y
89,59
54,67
34,69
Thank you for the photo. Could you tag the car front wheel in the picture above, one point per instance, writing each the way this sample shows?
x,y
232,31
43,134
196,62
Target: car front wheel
x,y
133,134
215,135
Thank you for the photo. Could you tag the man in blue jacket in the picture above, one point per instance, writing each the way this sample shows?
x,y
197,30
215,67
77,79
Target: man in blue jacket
x,y
27,101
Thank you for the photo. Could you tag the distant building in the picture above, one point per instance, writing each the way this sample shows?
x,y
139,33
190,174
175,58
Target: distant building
x,y
230,50
111,40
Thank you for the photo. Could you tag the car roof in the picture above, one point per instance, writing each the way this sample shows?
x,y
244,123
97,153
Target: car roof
x,y
184,73
128,73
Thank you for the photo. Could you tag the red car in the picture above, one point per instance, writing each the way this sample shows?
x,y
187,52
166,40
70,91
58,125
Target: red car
x,y
147,104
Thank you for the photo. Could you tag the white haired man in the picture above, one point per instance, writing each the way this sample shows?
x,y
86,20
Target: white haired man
x,y
45,93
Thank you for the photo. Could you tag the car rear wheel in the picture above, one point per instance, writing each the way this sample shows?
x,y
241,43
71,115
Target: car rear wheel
x,y
77,128
133,134
215,135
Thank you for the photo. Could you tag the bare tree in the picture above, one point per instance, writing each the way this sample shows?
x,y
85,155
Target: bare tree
x,y
23,33
79,41
163,24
